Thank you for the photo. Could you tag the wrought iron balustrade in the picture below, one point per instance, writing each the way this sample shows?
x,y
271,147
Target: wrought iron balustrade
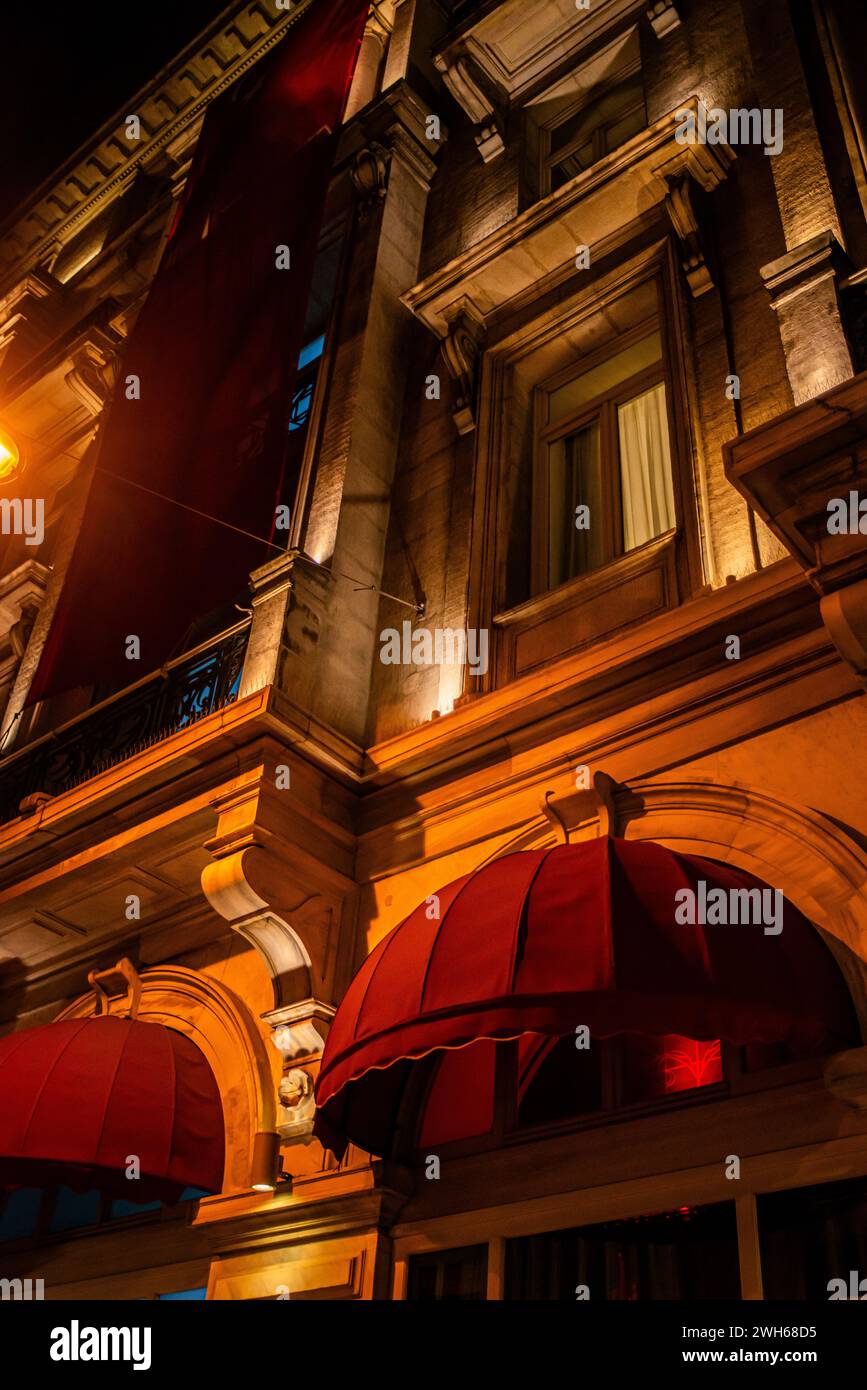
x,y
192,686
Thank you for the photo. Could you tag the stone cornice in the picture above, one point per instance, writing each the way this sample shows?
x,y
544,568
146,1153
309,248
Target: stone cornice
x,y
167,107
537,248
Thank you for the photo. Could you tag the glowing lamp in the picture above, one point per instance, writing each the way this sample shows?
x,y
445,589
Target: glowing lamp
x,y
266,1162
10,457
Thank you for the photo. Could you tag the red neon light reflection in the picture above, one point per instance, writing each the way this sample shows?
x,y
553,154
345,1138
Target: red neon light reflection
x,y
687,1063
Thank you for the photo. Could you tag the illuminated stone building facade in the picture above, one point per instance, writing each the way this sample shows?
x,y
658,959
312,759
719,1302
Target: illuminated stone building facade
x,y
534,293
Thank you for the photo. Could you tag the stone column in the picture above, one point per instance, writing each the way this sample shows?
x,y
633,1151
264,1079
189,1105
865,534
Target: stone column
x,y
367,69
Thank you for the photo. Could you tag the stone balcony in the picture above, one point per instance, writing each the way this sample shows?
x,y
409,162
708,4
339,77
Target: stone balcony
x,y
797,471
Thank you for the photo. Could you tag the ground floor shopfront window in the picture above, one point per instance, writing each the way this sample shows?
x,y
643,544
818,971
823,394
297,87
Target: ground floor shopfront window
x,y
813,1244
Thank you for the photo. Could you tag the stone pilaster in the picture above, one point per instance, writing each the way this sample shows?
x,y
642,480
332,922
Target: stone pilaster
x,y
803,286
351,503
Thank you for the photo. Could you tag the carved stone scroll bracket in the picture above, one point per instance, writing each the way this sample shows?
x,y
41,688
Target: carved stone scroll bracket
x,y
369,174
466,91
680,205
461,349
92,374
230,885
844,613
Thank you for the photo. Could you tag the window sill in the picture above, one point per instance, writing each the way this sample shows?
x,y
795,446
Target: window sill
x,y
634,587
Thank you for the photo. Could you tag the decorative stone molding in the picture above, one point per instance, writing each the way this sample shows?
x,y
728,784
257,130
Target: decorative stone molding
x,y
469,95
461,348
663,16
91,378
230,885
792,470
300,1030
679,202
21,593
29,317
395,128
369,173
537,248
289,602
241,36
516,45
299,1033
804,289
270,884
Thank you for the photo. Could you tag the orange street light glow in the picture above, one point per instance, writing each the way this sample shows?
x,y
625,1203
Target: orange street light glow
x,y
10,456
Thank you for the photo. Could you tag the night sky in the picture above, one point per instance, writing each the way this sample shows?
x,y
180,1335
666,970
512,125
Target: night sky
x,y
68,65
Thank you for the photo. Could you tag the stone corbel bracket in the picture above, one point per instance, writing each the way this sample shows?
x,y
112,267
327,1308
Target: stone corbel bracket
x,y
93,371
663,16
298,1032
680,206
257,882
461,349
458,77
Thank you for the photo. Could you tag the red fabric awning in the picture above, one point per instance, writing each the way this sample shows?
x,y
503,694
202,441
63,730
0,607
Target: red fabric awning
x,y
78,1097
543,941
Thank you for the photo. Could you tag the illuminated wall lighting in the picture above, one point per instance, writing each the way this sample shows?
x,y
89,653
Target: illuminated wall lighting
x,y
10,457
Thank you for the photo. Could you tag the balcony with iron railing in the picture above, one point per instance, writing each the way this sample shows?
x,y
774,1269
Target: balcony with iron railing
x,y
186,690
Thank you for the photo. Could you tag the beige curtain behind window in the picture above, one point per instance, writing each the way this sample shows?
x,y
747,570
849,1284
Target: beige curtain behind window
x,y
645,468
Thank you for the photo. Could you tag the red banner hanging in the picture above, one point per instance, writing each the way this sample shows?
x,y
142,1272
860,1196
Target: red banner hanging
x,y
194,441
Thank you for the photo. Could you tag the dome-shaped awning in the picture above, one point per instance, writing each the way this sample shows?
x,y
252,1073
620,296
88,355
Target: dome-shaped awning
x,y
79,1097
543,941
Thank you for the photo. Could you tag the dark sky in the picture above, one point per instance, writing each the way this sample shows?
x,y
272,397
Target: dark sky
x,y
67,65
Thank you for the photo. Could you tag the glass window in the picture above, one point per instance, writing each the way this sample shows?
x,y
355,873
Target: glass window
x,y
607,482
19,1213
813,1236
184,1294
74,1209
576,393
601,124
450,1276
688,1254
557,1080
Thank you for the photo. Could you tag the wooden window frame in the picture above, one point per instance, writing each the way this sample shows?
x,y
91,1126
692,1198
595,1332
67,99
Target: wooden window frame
x,y
603,408
549,160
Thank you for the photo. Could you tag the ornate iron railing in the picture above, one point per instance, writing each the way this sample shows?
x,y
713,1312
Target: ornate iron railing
x,y
189,688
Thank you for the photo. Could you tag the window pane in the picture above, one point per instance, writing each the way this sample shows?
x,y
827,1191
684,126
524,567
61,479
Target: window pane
x,y
575,479
453,1276
19,1212
73,1209
658,1067
566,400
624,129
686,1255
556,1081
811,1236
645,468
606,111
572,165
